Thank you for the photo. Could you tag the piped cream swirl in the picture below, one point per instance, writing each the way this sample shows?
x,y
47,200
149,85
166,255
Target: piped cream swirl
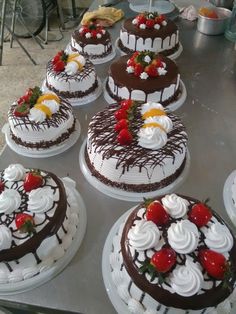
x,y
152,138
10,201
175,205
40,200
164,121
14,172
5,237
151,105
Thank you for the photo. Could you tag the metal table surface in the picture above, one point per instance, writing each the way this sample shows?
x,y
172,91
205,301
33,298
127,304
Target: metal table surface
x,y
207,66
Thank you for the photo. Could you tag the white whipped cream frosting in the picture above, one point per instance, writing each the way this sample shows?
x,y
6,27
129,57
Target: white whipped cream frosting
x,y
187,280
52,104
183,236
71,68
14,172
151,105
152,138
80,59
10,201
164,121
144,235
37,115
175,205
40,200
218,237
5,237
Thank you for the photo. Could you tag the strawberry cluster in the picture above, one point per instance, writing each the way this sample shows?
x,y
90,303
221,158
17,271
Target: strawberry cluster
x,y
124,117
27,101
149,20
59,61
146,64
92,30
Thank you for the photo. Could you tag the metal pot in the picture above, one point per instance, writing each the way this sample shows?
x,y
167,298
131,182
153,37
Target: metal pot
x,y
223,3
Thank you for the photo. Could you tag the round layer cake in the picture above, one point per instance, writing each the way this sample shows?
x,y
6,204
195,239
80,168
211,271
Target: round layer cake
x,y
144,77
40,120
149,31
71,76
174,255
38,221
136,147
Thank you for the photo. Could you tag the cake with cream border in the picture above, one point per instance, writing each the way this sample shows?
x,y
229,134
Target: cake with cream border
x,y
136,147
39,220
149,31
40,120
174,255
144,76
71,76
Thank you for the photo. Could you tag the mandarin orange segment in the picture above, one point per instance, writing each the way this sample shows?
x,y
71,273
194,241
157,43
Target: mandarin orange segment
x,y
153,112
48,97
45,109
154,125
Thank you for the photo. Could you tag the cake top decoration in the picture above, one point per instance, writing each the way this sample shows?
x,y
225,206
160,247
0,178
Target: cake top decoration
x,y
70,63
92,30
149,20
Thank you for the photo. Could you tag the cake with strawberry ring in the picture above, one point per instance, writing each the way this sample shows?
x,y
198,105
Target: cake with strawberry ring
x,y
144,76
40,120
136,147
149,31
174,254
39,217
71,76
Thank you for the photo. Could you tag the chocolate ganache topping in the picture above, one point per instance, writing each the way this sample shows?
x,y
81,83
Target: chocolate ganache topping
x,y
216,292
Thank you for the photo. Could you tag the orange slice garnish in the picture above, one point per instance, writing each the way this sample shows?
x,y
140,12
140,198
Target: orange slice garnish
x,y
45,109
153,112
153,124
48,97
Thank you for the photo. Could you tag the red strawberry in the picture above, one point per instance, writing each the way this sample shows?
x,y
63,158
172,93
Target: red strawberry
x,y
122,124
213,262
200,214
138,69
56,59
126,104
156,213
24,223
141,19
94,33
1,186
125,137
159,19
21,110
151,70
59,66
120,114
131,62
157,62
33,180
163,260
150,23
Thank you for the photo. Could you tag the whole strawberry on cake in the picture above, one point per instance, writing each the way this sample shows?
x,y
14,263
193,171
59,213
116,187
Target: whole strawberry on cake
x,y
174,254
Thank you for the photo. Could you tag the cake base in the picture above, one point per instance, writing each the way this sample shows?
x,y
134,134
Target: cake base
x,y
58,266
228,201
125,195
83,100
42,153
171,107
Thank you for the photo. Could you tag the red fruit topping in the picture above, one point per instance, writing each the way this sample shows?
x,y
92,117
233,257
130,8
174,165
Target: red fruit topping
x,y
151,70
125,137
214,263
94,34
33,180
59,66
56,59
1,186
150,23
120,114
164,260
122,124
200,214
138,69
157,62
24,223
157,213
126,104
131,62
160,19
21,110
141,19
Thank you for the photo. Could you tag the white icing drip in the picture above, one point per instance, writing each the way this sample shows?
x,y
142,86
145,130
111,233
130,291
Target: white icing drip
x,y
40,200
10,201
5,237
175,205
152,138
14,172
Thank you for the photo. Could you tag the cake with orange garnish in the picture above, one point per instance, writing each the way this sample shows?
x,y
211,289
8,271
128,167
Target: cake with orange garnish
x,y
40,120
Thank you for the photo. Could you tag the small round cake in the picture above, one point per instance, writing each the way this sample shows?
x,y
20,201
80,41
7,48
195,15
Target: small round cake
x,y
39,220
93,42
72,76
136,147
39,121
144,76
173,254
149,31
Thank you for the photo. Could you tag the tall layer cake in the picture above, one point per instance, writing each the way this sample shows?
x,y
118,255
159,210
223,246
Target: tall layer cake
x,y
144,76
40,120
174,255
71,76
39,219
149,31
136,147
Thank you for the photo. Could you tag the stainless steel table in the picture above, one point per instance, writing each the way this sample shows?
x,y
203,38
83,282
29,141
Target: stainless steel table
x,y
207,67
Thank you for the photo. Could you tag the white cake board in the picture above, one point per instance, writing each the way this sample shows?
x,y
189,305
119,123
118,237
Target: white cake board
x,y
227,196
173,56
125,195
37,280
81,101
42,153
162,7
171,107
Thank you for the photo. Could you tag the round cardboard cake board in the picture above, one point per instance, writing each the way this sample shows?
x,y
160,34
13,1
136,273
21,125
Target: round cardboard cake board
x,y
82,101
125,195
227,196
171,107
59,265
43,153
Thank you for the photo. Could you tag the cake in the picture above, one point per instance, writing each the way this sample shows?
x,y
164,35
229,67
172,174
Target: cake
x,y
173,254
71,76
149,31
39,220
144,76
93,42
136,147
40,120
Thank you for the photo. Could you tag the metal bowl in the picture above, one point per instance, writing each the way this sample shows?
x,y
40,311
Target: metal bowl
x,y
211,26
223,3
